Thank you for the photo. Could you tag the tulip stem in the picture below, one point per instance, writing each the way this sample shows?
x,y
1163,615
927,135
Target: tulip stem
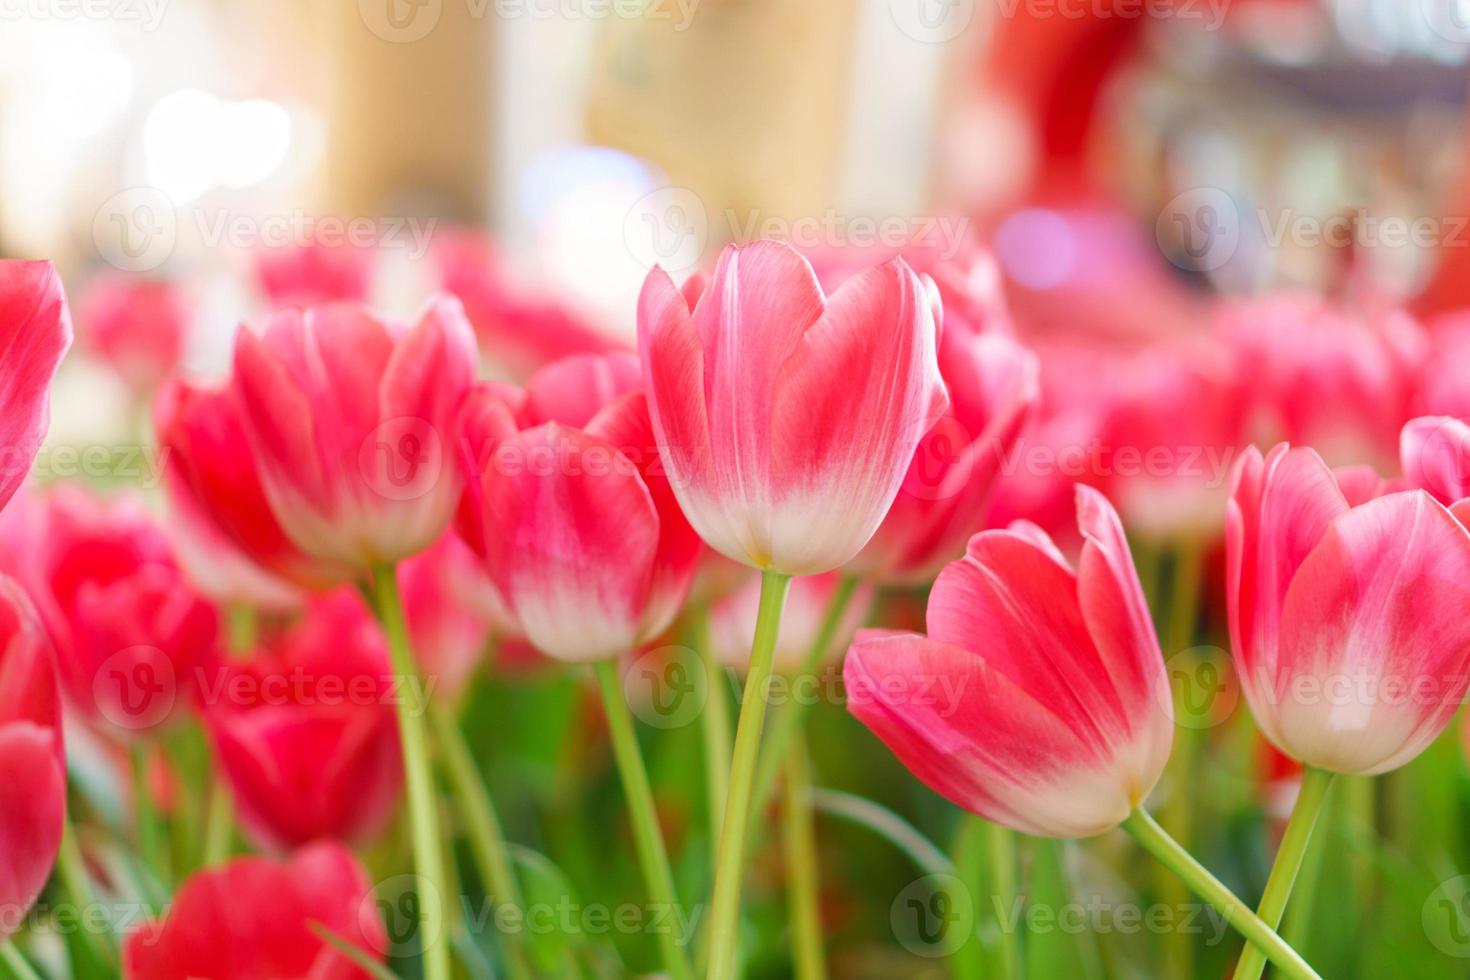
x,y
652,854
788,720
1294,842
1154,839
487,839
729,862
152,844
71,867
220,829
428,855
16,962
1002,845
715,722
803,875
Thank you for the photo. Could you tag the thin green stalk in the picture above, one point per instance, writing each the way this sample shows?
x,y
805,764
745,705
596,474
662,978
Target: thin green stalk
x,y
803,876
219,832
1154,839
1001,843
652,854
730,862
428,854
1288,862
152,842
788,721
971,960
482,826
16,962
71,868
714,721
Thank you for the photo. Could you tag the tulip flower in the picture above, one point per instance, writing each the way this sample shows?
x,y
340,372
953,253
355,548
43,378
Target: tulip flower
x,y
130,631
787,419
1039,698
349,419
1443,387
138,326
304,729
35,331
313,273
255,918
1435,453
232,543
32,761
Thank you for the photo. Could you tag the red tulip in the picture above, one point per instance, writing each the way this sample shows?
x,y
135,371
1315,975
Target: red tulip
x,y
253,919
786,420
1039,698
138,326
304,730
1347,621
233,545
32,761
130,632
35,331
350,420
310,274
992,381
567,504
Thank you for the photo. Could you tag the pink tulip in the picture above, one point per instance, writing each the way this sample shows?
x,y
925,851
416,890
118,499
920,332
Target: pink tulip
x,y
786,420
312,273
1444,388
130,632
233,545
567,504
138,326
255,919
304,730
350,420
35,331
1039,698
993,386
1435,452
1347,621
32,761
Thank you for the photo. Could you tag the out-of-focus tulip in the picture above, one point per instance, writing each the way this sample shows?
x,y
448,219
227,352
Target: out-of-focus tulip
x,y
32,761
253,919
1444,387
787,420
35,331
313,273
993,387
1039,698
1347,622
732,620
350,420
228,537
567,504
137,326
1435,454
520,331
451,607
304,730
130,633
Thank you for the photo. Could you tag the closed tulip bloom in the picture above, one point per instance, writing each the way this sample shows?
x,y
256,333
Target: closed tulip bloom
x,y
304,730
787,419
349,420
233,544
1347,622
567,505
138,326
1435,453
32,761
35,331
255,919
313,273
1039,698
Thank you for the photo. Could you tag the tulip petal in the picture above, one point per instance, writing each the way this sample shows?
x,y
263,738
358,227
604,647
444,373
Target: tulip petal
x,y
1435,452
980,740
1375,616
32,810
571,391
35,331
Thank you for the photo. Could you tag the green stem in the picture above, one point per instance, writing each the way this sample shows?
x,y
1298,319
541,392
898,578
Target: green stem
x,y
152,844
16,962
1001,843
428,855
482,825
802,872
970,961
1288,862
219,832
715,722
652,854
730,863
788,721
71,868
1154,839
